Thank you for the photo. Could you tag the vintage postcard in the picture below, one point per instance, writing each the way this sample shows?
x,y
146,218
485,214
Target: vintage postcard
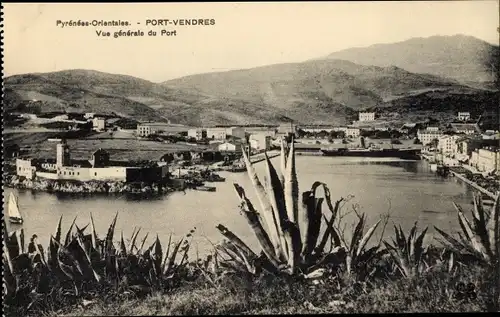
x,y
250,158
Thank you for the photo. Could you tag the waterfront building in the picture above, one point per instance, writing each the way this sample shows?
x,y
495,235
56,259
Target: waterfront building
x,y
465,128
99,124
63,156
260,142
89,115
145,129
447,144
428,135
466,145
463,116
486,160
95,169
366,116
197,133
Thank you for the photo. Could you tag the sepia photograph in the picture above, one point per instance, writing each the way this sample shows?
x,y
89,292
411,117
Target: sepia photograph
x,y
169,159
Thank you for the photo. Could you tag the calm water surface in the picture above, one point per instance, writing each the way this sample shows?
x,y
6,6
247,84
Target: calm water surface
x,y
404,188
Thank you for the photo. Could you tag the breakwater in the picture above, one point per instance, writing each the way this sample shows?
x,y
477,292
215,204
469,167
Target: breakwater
x,y
476,186
67,186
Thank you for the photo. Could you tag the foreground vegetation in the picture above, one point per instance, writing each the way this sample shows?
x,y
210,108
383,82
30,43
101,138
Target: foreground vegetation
x,y
308,263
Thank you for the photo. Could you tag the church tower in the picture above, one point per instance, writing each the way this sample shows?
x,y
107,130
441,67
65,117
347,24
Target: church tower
x,y
63,155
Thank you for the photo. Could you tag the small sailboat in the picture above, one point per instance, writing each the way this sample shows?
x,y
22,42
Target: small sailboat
x,y
13,208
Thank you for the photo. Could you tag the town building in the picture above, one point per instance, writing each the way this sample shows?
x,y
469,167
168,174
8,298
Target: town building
x,y
447,144
95,169
232,147
349,132
198,133
465,128
466,145
366,116
89,115
145,129
286,130
463,116
217,133
486,160
237,132
98,124
428,135
260,142
270,131
316,129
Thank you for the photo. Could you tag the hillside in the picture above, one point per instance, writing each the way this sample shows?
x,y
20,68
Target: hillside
x,y
463,58
93,91
317,91
321,92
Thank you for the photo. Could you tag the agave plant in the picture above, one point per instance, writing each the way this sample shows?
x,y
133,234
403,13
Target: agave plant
x,y
84,259
358,257
408,254
288,233
480,240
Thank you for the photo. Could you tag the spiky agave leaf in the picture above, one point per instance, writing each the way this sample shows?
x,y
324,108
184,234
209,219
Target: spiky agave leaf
x,y
157,256
277,200
264,200
173,255
329,231
493,229
57,236
472,236
235,240
87,259
143,242
283,159
312,222
254,222
366,238
133,240
291,187
167,254
67,240
123,248
95,238
108,243
5,249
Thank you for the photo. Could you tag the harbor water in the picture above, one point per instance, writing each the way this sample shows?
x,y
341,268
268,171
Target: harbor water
x,y
407,190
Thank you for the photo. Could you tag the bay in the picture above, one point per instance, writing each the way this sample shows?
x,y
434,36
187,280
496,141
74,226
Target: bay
x,y
407,190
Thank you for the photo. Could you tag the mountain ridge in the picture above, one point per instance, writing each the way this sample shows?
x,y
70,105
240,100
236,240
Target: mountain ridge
x,y
324,90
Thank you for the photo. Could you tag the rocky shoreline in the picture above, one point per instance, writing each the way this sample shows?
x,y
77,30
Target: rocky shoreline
x,y
67,186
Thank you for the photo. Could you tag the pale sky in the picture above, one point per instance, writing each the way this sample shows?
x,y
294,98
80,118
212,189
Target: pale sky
x,y
245,35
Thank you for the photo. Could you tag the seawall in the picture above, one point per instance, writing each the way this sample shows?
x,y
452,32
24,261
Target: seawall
x,y
476,186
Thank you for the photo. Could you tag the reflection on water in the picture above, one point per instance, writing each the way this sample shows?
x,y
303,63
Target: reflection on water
x,y
405,189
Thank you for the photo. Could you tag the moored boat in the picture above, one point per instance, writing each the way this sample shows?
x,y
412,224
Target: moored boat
x,y
410,154
206,188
